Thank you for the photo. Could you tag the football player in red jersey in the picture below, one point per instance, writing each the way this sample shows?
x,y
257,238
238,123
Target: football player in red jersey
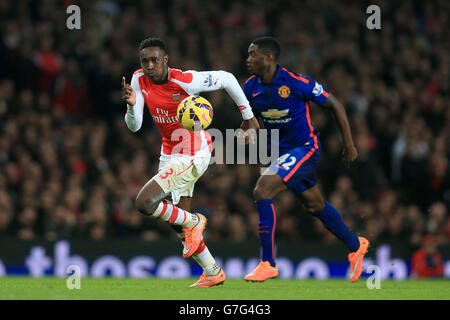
x,y
185,155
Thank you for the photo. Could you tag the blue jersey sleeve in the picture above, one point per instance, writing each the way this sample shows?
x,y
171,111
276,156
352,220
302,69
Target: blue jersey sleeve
x,y
311,90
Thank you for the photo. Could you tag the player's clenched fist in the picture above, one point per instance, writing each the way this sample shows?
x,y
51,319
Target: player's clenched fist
x,y
128,93
349,154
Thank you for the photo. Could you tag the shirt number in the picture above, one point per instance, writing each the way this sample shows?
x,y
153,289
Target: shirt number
x,y
285,162
168,173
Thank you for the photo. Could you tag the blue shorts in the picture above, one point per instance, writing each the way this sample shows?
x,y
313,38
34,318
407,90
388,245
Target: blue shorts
x,y
296,167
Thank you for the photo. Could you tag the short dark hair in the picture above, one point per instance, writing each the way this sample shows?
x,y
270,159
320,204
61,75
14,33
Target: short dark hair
x,y
153,42
268,44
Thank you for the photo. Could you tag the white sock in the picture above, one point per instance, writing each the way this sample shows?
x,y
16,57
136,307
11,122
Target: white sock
x,y
207,262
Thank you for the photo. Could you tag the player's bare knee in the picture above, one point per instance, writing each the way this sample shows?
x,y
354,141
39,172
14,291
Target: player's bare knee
x,y
146,205
260,193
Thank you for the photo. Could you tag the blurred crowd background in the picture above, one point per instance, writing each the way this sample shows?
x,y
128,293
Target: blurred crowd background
x,y
69,167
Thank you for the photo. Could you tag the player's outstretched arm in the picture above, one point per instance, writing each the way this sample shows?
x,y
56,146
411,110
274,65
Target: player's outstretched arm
x,y
132,95
205,81
349,154
249,124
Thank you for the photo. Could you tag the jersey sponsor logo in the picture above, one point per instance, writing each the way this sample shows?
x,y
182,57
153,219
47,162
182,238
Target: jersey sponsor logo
x,y
164,120
284,91
176,97
146,92
318,89
279,121
275,113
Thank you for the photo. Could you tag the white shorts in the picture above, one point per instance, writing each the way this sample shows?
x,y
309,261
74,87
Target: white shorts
x,y
178,173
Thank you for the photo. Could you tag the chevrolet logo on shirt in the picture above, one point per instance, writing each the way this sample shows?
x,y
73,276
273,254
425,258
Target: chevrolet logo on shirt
x,y
275,113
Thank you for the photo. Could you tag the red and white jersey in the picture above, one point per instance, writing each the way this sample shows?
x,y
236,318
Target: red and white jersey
x,y
162,101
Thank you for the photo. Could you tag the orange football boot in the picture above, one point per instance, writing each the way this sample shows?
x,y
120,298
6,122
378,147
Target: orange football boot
x,y
193,236
209,281
262,272
356,259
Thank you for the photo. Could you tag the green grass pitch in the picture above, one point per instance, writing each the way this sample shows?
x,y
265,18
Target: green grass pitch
x,y
18,288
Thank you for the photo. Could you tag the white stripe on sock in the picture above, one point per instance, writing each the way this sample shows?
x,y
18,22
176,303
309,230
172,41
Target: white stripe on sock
x,y
168,212
181,217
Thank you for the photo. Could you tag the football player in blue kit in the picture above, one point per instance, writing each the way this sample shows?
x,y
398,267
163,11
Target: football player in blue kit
x,y
281,98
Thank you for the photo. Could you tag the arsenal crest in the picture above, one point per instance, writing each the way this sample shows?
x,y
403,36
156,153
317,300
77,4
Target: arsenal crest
x,y
176,97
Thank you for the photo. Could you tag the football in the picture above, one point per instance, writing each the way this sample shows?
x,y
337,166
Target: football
x,y
195,113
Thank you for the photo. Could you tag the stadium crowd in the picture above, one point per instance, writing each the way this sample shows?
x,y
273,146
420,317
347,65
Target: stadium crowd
x,y
69,167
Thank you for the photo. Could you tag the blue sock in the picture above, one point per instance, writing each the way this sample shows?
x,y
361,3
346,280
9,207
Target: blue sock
x,y
266,229
332,220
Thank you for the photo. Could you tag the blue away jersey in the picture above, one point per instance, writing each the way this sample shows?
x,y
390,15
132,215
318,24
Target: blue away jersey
x,y
284,104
